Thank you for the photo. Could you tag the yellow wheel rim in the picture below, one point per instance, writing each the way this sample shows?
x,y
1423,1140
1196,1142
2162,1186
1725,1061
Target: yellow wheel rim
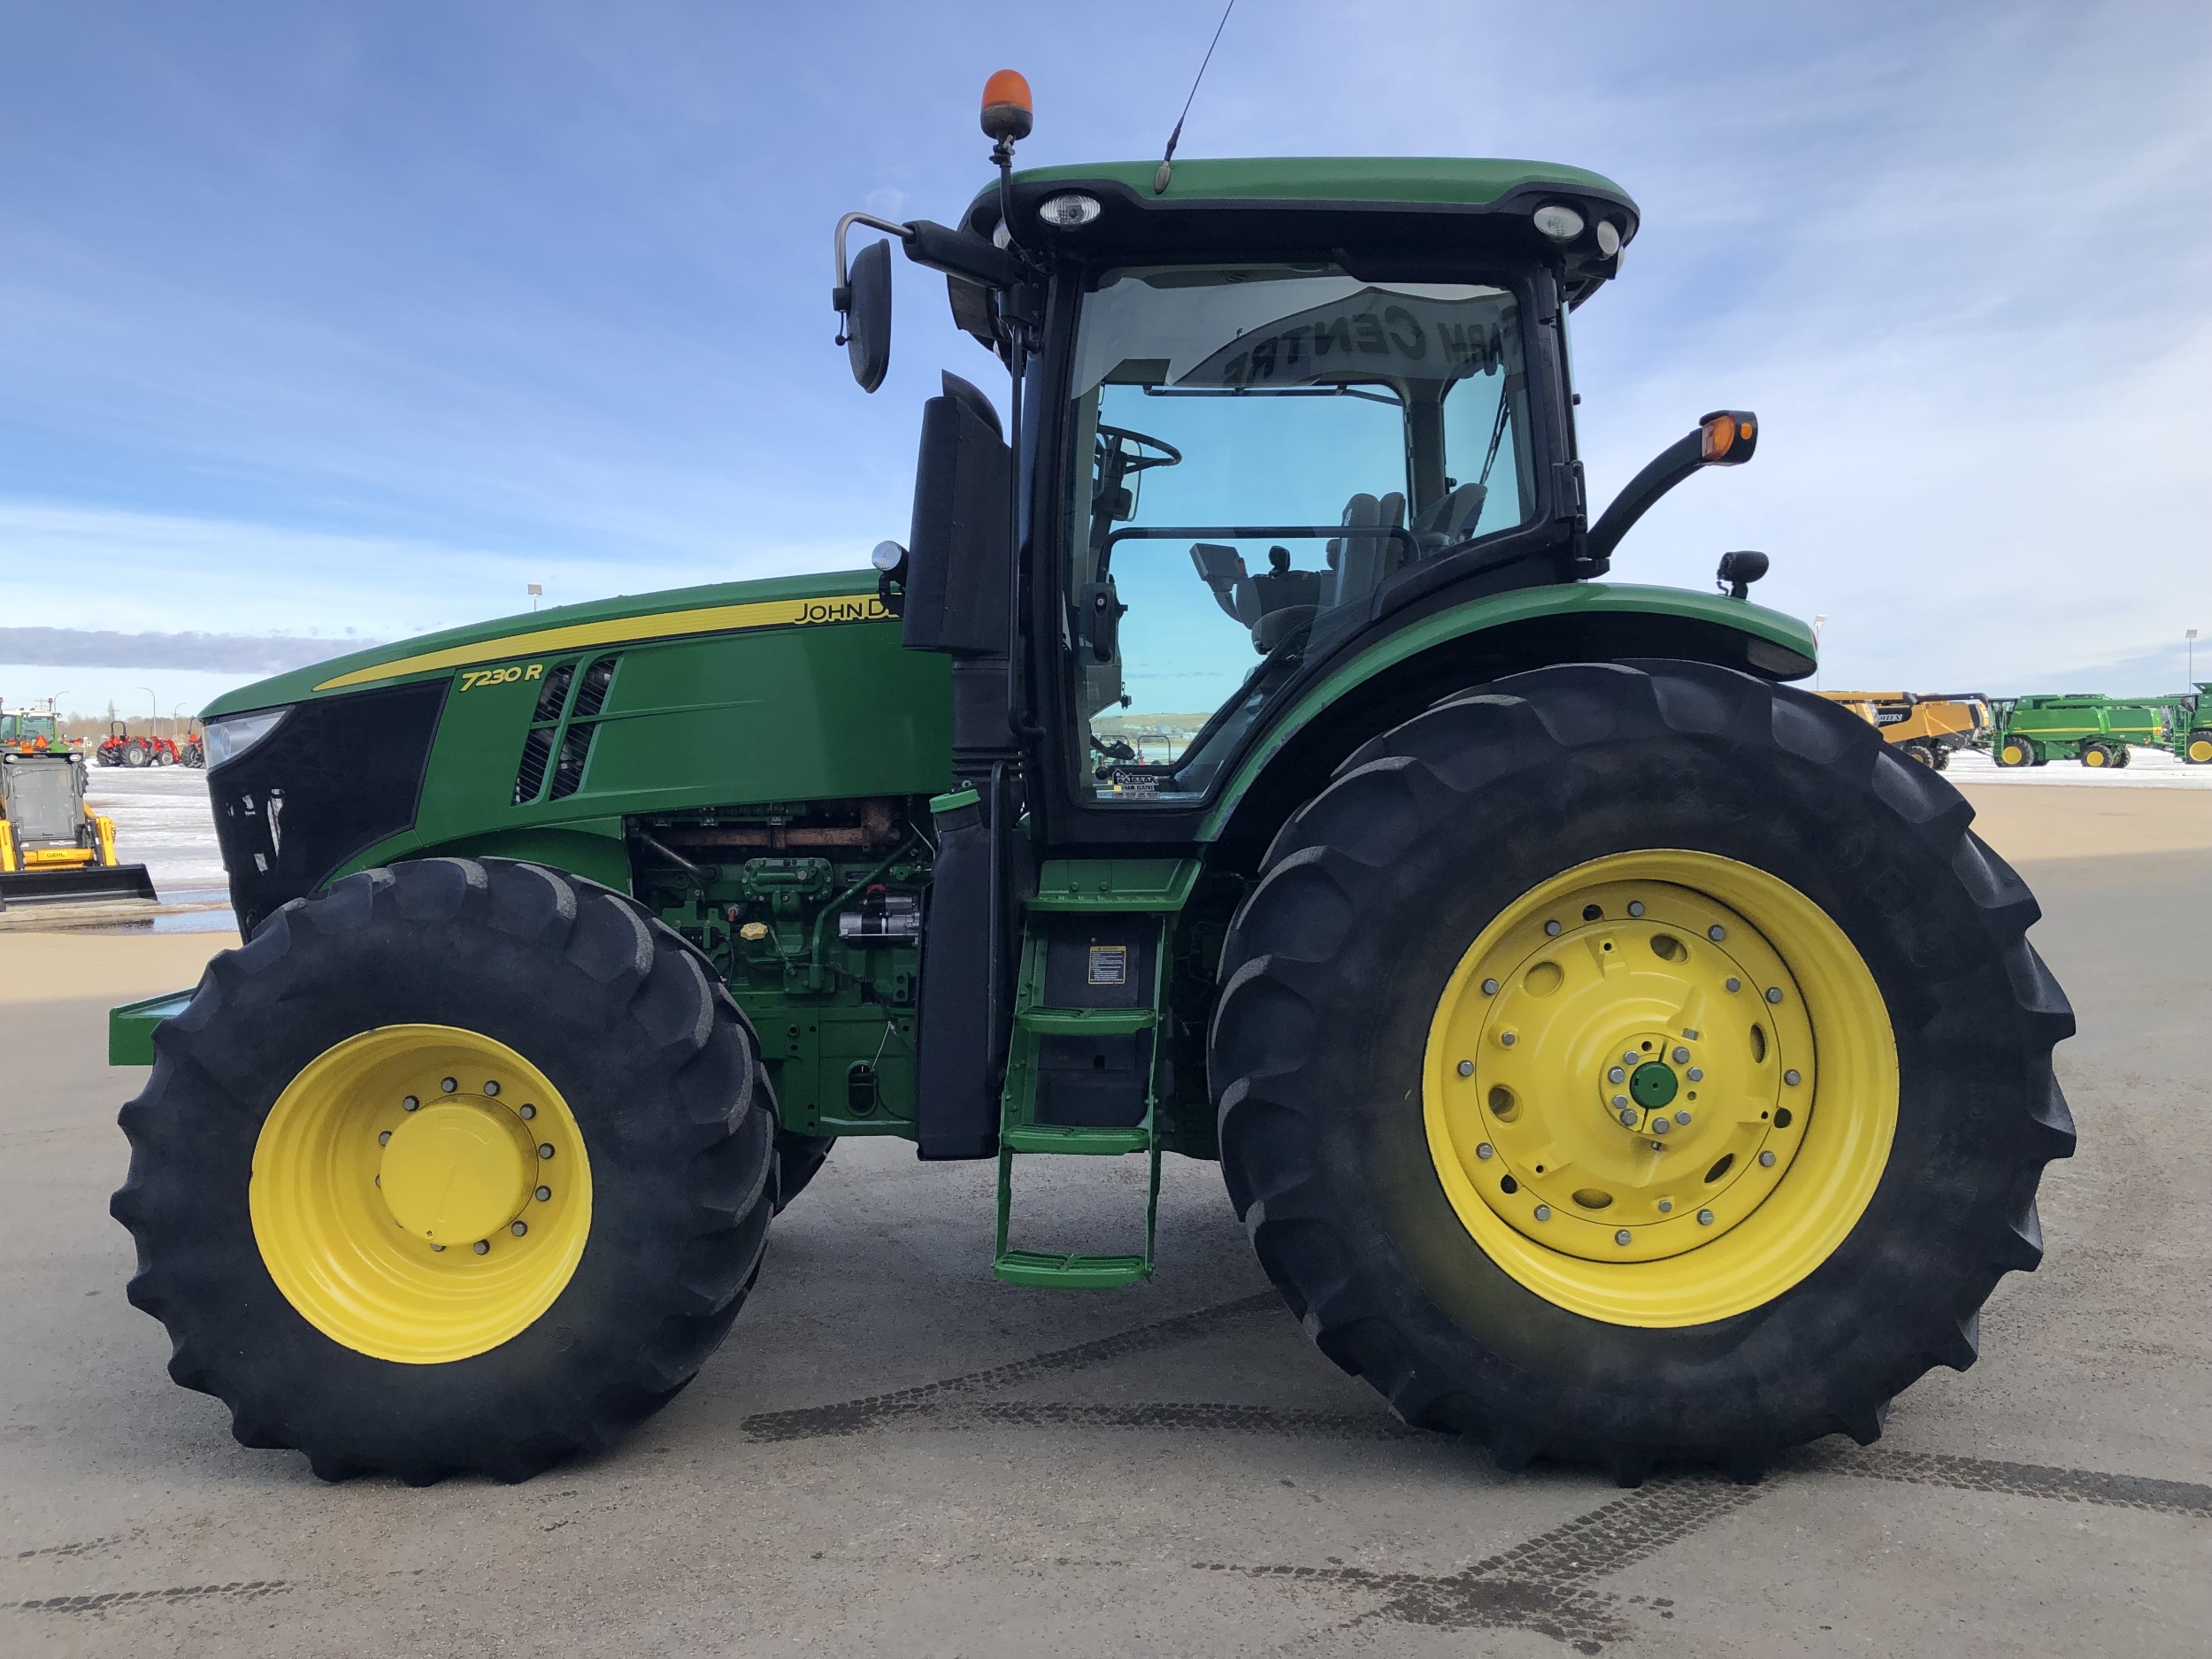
x,y
2200,751
1659,987
2013,755
421,1194
2093,758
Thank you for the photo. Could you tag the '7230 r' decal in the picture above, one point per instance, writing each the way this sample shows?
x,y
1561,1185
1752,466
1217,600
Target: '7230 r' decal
x,y
507,676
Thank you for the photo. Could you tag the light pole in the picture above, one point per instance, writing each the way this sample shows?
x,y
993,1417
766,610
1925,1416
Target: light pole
x,y
2191,637
154,704
536,590
1818,623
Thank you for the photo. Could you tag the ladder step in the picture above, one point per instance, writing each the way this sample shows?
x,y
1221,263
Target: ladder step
x,y
1058,1137
1085,1021
1040,1269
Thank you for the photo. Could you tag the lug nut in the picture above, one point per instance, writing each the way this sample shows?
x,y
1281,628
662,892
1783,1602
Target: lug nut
x,y
1696,1074
528,1111
1629,1118
1623,1236
544,1193
491,1089
384,1140
1505,1039
1666,1206
518,1229
1489,987
1716,932
448,1084
1552,928
437,1249
1660,1126
1704,1217
1766,1160
1543,1212
546,1149
1620,1100
1616,1075
481,1247
1681,1056
1683,1119
409,1104
1630,1056
1774,994
1734,986
1486,1150
1792,1079
1466,1068
1635,907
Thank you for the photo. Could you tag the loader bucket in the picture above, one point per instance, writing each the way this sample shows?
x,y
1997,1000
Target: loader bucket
x,y
63,885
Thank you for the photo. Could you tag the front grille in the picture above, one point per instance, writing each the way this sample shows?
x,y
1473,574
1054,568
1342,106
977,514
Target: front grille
x,y
591,696
551,695
568,771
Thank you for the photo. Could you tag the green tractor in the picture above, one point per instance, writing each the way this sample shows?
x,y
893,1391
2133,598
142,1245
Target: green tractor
x,y
2189,723
1616,1053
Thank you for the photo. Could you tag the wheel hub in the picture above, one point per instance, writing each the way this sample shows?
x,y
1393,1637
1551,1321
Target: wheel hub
x,y
1691,1031
458,1170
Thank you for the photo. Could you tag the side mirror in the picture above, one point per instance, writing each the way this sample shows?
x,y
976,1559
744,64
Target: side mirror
x,y
1102,612
867,310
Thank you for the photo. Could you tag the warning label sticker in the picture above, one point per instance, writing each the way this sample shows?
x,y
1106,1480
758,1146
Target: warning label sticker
x,y
1110,964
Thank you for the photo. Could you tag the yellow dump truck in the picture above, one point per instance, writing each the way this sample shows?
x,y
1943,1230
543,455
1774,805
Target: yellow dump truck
x,y
1927,725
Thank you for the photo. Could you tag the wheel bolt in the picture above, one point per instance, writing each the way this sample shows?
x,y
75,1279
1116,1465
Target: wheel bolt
x,y
448,1084
1630,1056
1704,1217
544,1193
1489,987
1543,1212
1629,1118
1552,928
1774,994
1792,1079
1620,1100
518,1229
1623,1236
1766,1160
1486,1150
384,1140
1716,932
491,1088
1666,1206
1616,1075
1635,907
1696,1074
1734,986
1505,1039
1681,1056
1466,1068
437,1249
1660,1126
528,1111
1683,1119
546,1150
409,1104
481,1247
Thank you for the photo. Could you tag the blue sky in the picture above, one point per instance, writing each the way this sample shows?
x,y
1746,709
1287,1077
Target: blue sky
x,y
360,316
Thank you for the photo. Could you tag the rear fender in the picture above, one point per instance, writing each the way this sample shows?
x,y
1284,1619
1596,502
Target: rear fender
x,y
1472,644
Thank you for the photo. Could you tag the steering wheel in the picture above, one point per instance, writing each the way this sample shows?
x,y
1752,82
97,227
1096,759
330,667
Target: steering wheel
x,y
1149,452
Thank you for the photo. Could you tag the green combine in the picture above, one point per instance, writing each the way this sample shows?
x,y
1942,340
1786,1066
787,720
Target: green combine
x,y
1616,1053
2099,732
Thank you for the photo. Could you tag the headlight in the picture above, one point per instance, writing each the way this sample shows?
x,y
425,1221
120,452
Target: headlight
x,y
1558,221
1069,213
232,735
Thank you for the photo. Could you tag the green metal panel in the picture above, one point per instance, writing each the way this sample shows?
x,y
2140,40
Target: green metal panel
x,y
1762,626
131,1027
1439,179
1115,884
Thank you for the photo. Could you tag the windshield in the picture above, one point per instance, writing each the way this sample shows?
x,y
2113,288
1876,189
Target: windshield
x,y
1257,451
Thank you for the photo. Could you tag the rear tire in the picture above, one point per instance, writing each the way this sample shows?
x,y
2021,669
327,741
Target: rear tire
x,y
2014,751
135,754
1359,929
646,1073
2097,756
2197,752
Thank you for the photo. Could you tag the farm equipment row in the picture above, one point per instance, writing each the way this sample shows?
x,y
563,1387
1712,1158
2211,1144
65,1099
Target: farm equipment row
x,y
2099,732
52,846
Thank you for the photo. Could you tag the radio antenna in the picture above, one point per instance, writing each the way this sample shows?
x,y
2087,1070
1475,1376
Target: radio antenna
x,y
1167,162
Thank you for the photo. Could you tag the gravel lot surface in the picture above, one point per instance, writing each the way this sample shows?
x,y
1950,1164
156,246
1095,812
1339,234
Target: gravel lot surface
x,y
893,1455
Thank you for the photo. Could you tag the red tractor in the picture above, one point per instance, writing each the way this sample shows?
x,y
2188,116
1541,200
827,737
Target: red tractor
x,y
121,748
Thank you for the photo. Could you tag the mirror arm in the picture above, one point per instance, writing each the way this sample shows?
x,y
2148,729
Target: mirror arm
x,y
961,253
1669,468
842,293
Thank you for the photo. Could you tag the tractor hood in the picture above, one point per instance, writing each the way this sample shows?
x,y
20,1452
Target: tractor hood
x,y
678,612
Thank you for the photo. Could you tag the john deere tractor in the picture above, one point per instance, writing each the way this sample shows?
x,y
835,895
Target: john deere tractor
x,y
1615,1053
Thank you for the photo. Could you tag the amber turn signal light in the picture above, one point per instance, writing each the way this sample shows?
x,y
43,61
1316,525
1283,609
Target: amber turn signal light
x,y
1728,436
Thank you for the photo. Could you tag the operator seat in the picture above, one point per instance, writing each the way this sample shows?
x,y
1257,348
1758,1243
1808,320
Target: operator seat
x,y
1363,557
1450,518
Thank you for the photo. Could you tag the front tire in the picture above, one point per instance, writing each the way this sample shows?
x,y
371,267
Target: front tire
x,y
458,1166
1477,865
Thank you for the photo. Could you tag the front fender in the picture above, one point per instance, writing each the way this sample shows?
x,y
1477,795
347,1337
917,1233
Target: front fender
x,y
1482,640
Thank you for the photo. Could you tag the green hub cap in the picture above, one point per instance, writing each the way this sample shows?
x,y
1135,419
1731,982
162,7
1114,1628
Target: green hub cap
x,y
1652,1085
